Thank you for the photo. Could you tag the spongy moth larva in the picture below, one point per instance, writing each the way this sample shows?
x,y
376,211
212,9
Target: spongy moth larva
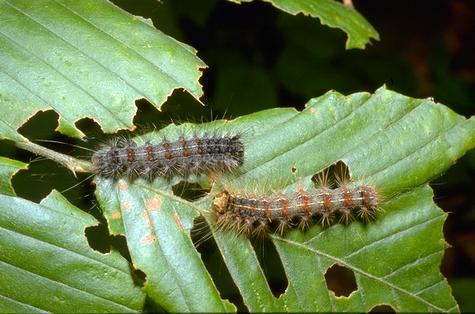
x,y
261,214
197,154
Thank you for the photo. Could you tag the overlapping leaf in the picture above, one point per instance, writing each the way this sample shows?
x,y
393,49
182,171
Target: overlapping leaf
x,y
85,59
334,14
392,141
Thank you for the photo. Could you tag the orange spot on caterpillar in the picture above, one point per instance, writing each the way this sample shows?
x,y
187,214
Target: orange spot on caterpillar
x,y
126,206
149,239
122,185
348,199
168,153
364,197
266,208
313,110
149,149
116,215
130,155
327,201
184,146
284,208
178,221
153,203
306,204
199,145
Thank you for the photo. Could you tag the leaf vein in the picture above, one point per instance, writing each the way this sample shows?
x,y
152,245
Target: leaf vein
x,y
88,56
57,71
22,303
36,95
67,285
419,148
65,249
123,43
397,233
306,140
412,263
361,271
429,287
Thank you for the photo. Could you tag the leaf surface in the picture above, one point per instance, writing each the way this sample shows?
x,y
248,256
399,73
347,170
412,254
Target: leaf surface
x,y
46,264
388,140
157,227
85,59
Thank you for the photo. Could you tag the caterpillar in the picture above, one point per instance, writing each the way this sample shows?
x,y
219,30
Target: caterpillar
x,y
256,216
197,154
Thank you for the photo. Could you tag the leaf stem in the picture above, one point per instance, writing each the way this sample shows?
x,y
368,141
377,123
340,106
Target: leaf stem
x,y
73,164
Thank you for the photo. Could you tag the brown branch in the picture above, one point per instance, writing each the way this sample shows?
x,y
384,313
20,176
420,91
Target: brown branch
x,y
73,164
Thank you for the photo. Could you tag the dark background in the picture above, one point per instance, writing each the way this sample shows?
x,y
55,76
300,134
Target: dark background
x,y
260,57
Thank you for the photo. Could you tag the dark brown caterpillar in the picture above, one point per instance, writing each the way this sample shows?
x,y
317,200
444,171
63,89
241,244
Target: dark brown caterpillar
x,y
198,154
259,215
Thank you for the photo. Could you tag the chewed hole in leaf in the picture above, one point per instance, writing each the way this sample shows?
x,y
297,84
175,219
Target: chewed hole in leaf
x,y
43,175
340,280
215,265
119,243
332,176
139,276
42,121
151,306
189,191
98,238
382,308
271,264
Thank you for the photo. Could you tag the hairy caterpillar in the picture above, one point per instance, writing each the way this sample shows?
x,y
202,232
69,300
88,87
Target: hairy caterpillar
x,y
197,154
255,216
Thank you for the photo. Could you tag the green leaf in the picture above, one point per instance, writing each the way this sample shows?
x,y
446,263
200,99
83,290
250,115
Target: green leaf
x,y
8,168
334,14
85,59
392,141
395,142
47,265
157,226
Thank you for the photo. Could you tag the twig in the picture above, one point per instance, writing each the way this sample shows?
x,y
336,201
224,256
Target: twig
x,y
73,164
